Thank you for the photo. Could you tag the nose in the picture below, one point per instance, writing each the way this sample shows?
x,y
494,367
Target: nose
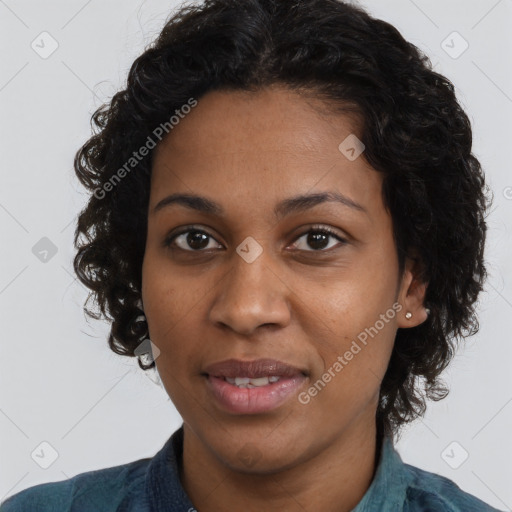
x,y
251,295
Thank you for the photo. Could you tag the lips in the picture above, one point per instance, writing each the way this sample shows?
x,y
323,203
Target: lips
x,y
233,368
273,384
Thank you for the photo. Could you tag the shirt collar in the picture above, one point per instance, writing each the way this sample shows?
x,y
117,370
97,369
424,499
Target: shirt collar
x,y
163,485
386,493
388,489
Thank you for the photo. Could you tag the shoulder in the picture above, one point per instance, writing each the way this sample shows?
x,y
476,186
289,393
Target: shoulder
x,y
431,492
102,489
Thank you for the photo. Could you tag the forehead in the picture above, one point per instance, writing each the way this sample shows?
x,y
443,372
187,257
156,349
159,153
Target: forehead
x,y
271,143
274,118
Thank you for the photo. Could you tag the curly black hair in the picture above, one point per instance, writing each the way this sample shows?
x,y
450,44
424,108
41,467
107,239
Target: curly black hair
x,y
414,130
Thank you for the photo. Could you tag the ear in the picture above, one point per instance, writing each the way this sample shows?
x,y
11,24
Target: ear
x,y
411,295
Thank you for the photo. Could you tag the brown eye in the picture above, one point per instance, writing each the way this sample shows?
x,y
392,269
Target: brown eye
x,y
195,240
192,240
318,239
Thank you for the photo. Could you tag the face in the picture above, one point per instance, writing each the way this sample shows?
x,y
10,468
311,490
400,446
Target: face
x,y
249,274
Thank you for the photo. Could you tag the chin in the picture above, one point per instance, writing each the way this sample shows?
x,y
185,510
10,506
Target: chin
x,y
262,464
259,455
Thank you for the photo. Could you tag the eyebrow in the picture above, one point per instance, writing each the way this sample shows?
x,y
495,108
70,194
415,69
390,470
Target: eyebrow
x,y
294,204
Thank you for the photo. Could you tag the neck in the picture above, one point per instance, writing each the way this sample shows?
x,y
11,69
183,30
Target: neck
x,y
333,479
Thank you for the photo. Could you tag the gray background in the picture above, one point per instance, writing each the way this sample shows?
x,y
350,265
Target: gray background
x,y
60,384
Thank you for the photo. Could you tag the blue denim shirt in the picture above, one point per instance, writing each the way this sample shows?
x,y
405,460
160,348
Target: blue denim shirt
x,y
153,485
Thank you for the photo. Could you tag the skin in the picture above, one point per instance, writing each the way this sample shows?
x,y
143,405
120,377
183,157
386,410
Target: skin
x,y
298,302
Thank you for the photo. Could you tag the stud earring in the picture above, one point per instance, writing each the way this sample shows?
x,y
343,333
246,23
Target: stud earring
x,y
427,310
408,315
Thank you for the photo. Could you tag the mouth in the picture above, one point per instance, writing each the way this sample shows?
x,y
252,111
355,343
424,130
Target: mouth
x,y
253,370
248,383
252,387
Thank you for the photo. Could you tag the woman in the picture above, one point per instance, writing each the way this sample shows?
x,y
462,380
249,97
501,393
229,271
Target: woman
x,y
285,202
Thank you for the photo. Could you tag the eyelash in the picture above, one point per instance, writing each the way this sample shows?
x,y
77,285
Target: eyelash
x,y
314,229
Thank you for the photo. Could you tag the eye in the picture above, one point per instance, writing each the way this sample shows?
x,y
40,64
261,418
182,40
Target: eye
x,y
318,238
195,239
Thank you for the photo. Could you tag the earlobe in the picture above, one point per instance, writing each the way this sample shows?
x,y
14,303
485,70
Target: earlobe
x,y
423,315
412,296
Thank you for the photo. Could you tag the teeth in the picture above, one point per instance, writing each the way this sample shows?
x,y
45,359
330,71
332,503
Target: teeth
x,y
246,382
262,381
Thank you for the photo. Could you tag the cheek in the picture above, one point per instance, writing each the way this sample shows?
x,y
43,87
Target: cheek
x,y
355,318
352,357
353,300
169,307
166,301
174,304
